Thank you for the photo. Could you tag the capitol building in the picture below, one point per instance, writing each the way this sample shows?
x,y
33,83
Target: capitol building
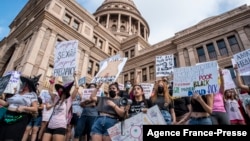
x,y
116,27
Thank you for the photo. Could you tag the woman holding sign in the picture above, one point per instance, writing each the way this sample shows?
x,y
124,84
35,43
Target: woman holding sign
x,y
163,99
110,111
18,114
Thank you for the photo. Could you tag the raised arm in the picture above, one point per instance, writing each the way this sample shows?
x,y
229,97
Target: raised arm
x,y
93,96
239,80
51,87
75,92
222,87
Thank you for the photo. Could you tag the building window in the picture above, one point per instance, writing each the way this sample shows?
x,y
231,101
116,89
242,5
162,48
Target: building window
x,y
132,53
110,51
113,28
125,78
132,78
96,68
67,19
151,72
175,62
144,74
233,44
201,54
122,29
90,67
115,52
211,51
100,44
76,25
95,40
222,47
126,54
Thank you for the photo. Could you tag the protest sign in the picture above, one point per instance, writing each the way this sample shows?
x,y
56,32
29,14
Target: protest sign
x,y
4,82
110,70
228,81
112,57
82,81
65,56
147,89
131,128
164,65
245,99
86,93
242,59
14,82
201,79
67,79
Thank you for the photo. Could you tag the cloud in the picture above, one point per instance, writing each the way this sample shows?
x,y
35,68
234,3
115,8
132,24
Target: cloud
x,y
166,17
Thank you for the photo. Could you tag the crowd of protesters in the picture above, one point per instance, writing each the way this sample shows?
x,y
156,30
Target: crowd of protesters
x,y
62,114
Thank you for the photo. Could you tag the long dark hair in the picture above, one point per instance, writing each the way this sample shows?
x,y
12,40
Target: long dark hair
x,y
143,96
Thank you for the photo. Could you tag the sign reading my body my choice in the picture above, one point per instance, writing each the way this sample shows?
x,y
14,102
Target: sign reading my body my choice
x,y
65,58
202,79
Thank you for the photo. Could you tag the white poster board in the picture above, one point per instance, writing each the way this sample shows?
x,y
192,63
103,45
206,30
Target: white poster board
x,y
242,59
164,65
202,79
14,82
228,81
147,89
112,57
132,129
110,70
86,93
65,56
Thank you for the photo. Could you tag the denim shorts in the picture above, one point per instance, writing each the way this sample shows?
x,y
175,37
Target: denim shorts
x,y
102,124
35,122
200,121
167,117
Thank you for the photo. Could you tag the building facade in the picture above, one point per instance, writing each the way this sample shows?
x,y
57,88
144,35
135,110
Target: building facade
x,y
116,27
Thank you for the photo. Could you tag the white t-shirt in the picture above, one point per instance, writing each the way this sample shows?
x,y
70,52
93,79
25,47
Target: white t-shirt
x,y
22,100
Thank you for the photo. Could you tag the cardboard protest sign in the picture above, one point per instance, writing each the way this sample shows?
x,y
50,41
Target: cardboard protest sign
x,y
242,59
147,89
121,86
228,81
132,128
164,65
202,79
82,81
14,82
112,57
4,82
245,99
86,93
110,71
65,56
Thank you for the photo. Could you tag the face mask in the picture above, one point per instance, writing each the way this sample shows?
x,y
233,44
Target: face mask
x,y
112,94
160,89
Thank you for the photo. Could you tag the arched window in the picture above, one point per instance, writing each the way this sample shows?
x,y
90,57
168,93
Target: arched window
x,y
113,28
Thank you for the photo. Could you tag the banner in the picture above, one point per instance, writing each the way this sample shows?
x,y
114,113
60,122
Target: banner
x,y
202,79
164,65
242,59
4,82
110,70
14,82
131,129
65,56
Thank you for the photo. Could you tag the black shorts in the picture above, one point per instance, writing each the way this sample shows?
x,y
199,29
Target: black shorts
x,y
60,131
74,119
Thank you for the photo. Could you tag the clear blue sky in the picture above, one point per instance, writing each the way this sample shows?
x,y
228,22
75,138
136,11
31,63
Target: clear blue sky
x,y
8,11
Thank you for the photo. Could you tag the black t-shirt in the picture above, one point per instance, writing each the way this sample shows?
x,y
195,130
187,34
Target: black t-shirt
x,y
136,107
180,105
160,101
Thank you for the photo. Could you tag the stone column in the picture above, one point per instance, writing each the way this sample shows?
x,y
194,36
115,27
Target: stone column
x,y
98,19
129,26
228,46
206,53
85,64
181,58
119,23
245,41
47,53
217,50
107,22
33,48
139,28
191,56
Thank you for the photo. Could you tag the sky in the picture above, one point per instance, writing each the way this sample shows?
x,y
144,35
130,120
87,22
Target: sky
x,y
164,17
